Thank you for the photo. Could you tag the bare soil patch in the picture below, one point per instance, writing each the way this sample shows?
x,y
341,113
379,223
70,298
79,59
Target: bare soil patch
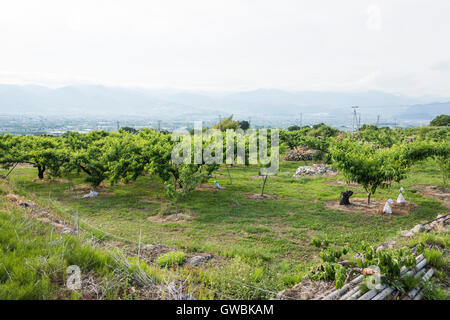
x,y
435,192
151,200
375,207
258,196
14,198
50,180
24,165
306,290
180,216
216,175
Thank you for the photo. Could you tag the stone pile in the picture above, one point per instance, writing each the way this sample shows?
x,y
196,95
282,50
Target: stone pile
x,y
314,170
299,154
439,224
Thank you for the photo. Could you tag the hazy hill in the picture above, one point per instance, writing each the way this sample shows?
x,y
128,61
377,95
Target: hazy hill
x,y
173,104
427,111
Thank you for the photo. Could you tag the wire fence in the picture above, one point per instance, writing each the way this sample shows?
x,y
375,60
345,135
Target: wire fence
x,y
78,224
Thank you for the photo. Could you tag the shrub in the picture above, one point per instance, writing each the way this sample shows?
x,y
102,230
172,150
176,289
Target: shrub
x,y
434,257
171,258
442,120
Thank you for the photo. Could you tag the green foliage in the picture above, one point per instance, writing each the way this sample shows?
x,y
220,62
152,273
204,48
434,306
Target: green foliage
x,y
442,120
329,271
333,254
32,263
293,128
439,239
365,164
410,281
433,291
227,123
389,261
435,258
43,152
244,125
171,258
316,242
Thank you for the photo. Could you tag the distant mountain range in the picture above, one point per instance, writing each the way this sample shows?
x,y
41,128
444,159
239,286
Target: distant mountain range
x,y
177,104
426,111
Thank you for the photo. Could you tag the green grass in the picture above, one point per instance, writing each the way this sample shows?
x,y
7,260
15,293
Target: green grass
x,y
433,291
34,260
435,258
270,237
171,258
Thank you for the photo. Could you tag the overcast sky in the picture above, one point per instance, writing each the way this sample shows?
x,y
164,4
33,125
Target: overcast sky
x,y
393,45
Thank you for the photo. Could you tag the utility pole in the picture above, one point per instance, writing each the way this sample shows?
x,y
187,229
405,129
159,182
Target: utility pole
x,y
301,119
249,122
378,120
159,125
118,125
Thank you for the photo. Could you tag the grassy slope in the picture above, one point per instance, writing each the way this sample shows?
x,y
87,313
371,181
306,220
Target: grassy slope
x,y
34,259
270,239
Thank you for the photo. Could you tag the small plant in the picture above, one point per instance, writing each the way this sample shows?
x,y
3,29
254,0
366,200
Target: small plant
x,y
331,255
434,257
433,291
420,248
410,281
330,271
316,242
171,258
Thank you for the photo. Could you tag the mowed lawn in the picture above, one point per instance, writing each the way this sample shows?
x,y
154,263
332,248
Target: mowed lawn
x,y
273,233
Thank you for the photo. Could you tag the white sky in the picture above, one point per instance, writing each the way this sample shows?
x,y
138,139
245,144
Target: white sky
x,y
393,45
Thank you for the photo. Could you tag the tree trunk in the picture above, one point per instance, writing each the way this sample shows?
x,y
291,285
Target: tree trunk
x,y
85,170
264,184
368,198
41,170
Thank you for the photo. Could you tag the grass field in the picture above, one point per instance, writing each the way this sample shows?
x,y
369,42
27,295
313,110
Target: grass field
x,y
263,243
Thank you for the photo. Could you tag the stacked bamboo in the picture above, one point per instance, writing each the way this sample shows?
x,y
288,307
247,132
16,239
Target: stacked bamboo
x,y
352,290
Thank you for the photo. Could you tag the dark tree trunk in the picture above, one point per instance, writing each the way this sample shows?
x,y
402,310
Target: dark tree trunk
x,y
88,172
345,198
368,198
41,170
264,184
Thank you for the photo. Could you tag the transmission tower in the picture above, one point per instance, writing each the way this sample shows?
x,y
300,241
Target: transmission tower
x,y
355,118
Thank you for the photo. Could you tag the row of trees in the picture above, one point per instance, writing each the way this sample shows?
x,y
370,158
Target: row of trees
x,y
116,156
374,167
372,157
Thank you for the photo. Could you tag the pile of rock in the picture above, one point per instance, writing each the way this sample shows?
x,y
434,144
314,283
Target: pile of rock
x,y
439,224
299,154
314,170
